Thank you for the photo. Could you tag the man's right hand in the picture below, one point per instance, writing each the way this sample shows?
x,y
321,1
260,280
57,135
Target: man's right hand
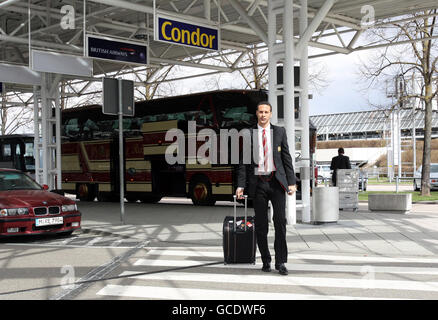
x,y
239,193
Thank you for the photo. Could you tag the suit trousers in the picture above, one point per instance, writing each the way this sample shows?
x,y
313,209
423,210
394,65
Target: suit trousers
x,y
270,190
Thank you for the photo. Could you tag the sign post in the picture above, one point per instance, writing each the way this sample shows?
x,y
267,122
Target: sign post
x,y
118,99
121,148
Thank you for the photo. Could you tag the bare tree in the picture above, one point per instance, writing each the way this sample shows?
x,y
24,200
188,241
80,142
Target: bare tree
x,y
417,56
154,85
14,116
253,69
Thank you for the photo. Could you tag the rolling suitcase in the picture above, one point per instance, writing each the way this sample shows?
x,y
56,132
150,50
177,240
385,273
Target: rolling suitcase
x,y
239,237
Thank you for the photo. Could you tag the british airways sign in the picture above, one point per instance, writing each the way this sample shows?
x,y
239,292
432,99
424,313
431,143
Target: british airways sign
x,y
116,50
177,31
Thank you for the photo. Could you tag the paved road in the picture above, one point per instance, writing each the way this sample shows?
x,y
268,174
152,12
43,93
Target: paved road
x,y
172,250
198,273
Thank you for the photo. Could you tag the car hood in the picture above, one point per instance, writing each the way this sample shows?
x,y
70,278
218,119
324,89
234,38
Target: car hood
x,y
31,198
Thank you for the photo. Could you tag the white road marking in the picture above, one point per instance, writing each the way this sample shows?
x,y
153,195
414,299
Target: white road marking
x,y
359,283
292,267
93,241
149,292
186,253
193,252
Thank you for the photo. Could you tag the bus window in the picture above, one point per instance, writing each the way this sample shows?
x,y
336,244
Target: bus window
x,y
126,124
176,116
72,128
105,128
6,150
29,160
191,115
89,129
17,158
204,119
236,116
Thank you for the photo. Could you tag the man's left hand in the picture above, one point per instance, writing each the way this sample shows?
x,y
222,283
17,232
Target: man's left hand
x,y
292,190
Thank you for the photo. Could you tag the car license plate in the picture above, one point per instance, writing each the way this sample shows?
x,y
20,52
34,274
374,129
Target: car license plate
x,y
48,221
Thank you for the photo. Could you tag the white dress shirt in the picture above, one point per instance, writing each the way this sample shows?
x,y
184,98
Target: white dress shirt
x,y
270,166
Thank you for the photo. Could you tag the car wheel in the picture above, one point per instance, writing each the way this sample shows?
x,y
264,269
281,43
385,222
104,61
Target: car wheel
x,y
200,192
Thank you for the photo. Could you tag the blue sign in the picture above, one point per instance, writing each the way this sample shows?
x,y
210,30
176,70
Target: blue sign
x,y
118,51
183,33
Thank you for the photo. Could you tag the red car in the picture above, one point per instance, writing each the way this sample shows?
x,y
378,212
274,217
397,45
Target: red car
x,y
28,208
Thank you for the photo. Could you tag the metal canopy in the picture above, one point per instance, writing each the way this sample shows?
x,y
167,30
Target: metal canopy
x,y
242,24
367,121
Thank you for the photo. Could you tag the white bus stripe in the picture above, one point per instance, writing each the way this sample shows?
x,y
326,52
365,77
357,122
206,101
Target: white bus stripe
x,y
364,283
292,267
149,292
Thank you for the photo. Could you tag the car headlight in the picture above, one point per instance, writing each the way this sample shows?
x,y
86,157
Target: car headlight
x,y
14,212
69,207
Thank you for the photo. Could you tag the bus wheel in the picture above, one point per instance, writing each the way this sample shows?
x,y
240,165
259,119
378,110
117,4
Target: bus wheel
x,y
131,198
107,197
200,192
150,199
85,192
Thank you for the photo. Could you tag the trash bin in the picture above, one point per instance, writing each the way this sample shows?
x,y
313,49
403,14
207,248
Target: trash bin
x,y
325,206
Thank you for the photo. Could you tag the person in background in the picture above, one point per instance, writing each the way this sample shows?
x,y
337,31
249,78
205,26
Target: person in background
x,y
339,162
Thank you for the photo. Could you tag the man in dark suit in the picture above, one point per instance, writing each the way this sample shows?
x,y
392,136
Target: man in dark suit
x,y
339,162
268,178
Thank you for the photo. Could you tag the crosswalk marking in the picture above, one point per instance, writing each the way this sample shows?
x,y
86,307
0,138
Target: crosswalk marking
x,y
297,256
289,281
355,277
185,253
93,241
151,292
362,258
116,243
292,267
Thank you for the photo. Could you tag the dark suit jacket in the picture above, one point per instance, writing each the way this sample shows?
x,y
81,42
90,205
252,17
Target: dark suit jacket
x,y
284,173
339,162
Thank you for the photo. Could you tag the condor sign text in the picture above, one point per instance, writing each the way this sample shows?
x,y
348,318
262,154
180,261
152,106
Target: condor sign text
x,y
179,32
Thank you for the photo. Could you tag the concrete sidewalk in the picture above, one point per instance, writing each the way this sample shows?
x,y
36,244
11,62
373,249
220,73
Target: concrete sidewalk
x,y
176,222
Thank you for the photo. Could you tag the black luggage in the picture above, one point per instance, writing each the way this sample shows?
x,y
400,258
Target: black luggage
x,y
239,238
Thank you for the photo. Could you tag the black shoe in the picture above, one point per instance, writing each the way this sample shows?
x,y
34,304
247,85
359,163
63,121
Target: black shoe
x,y
282,269
266,267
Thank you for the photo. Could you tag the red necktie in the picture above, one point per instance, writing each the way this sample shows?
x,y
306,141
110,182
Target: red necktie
x,y
265,151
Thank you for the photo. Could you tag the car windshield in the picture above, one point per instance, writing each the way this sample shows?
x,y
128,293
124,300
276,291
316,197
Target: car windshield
x,y
434,168
17,181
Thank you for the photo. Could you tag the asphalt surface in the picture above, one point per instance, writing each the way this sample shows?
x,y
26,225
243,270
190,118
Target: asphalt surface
x,y
173,250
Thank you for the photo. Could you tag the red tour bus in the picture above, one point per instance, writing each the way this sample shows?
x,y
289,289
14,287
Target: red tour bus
x,y
90,155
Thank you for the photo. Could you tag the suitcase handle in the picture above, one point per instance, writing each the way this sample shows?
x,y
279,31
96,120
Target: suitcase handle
x,y
235,210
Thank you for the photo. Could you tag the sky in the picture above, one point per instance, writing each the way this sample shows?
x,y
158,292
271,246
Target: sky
x,y
345,92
